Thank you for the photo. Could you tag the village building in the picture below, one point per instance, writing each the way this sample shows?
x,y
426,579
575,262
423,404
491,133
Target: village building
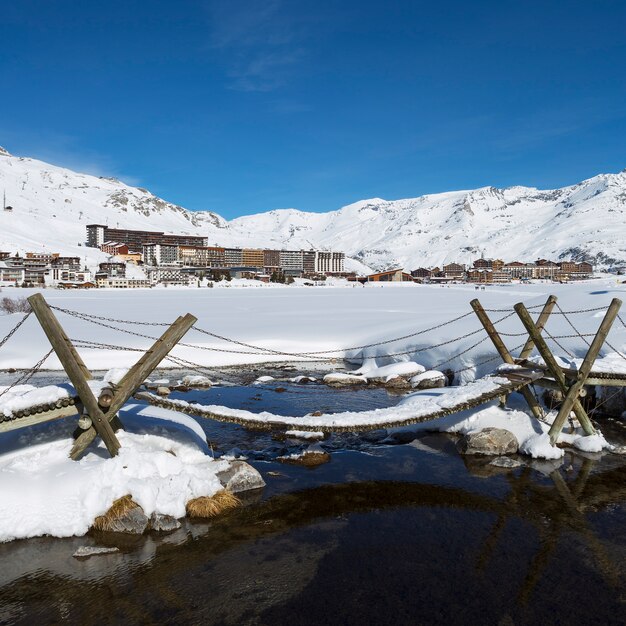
x,y
233,257
120,282
11,275
519,271
114,248
422,273
156,254
390,276
201,256
292,262
454,271
545,269
97,234
113,269
252,257
309,265
328,262
480,275
271,261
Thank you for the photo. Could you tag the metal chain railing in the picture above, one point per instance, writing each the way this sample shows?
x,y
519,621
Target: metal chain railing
x,y
14,329
27,375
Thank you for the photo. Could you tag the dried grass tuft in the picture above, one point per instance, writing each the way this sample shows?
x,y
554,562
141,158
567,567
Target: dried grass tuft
x,y
211,506
118,509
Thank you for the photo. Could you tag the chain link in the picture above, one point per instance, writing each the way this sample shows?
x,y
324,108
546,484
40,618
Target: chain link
x,y
14,329
27,375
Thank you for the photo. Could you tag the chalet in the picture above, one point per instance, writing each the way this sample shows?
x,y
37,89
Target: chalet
x,y
114,248
422,273
454,271
390,276
480,275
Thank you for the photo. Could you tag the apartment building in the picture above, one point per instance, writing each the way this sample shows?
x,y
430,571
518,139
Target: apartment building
x,y
160,254
252,257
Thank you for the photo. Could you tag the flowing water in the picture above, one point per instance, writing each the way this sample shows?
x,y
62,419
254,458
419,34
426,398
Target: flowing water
x,y
394,529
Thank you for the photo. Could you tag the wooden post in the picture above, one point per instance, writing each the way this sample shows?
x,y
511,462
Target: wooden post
x,y
136,375
556,372
540,324
583,372
503,351
75,369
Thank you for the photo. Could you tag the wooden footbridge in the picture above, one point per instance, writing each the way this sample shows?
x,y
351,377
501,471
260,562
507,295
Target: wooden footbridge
x,y
98,404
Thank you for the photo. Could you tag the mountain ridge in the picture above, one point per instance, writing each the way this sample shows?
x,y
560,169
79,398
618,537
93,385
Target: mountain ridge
x,y
52,205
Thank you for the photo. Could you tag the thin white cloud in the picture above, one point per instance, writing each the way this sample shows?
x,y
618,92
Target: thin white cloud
x,y
260,44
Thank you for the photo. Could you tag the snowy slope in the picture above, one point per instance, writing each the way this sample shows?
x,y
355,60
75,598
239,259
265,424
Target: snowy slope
x,y
52,205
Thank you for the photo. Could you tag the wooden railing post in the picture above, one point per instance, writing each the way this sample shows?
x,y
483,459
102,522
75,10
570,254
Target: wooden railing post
x,y
76,370
503,351
136,375
540,324
558,375
583,372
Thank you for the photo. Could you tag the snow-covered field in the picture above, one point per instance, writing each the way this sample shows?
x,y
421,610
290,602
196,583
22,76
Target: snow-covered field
x,y
45,493
300,319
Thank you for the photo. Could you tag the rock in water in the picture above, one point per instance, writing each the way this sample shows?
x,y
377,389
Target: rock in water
x,y
489,441
241,476
86,551
163,523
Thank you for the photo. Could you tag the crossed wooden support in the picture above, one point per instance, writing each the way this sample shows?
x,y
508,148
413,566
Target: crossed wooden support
x,y
100,414
570,385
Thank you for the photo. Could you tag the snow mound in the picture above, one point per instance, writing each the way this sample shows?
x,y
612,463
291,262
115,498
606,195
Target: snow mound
x,y
46,493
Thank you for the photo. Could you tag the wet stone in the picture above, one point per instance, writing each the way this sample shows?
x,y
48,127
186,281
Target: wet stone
x,y
133,522
163,523
241,476
85,552
489,441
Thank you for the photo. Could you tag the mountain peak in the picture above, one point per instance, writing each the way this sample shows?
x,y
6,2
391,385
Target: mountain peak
x,y
4,152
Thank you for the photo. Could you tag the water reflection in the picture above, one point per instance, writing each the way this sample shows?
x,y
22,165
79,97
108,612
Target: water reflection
x,y
519,546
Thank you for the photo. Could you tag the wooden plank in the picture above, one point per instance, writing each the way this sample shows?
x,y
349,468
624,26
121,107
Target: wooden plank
x,y
529,346
552,365
136,375
503,351
61,344
583,371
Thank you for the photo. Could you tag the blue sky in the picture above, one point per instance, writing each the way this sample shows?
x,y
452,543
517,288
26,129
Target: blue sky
x,y
240,106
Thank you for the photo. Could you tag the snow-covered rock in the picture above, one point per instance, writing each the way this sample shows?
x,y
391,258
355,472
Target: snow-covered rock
x,y
339,379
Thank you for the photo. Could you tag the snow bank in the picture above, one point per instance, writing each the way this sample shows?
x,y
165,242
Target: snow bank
x,y
45,493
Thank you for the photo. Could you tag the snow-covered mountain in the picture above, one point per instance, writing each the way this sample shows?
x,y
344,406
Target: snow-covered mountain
x,y
52,206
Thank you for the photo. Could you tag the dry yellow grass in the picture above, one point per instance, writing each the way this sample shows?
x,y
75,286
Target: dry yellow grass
x,y
211,506
119,508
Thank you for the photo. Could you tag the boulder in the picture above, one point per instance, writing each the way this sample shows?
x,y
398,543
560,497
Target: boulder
x,y
240,476
489,441
163,391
